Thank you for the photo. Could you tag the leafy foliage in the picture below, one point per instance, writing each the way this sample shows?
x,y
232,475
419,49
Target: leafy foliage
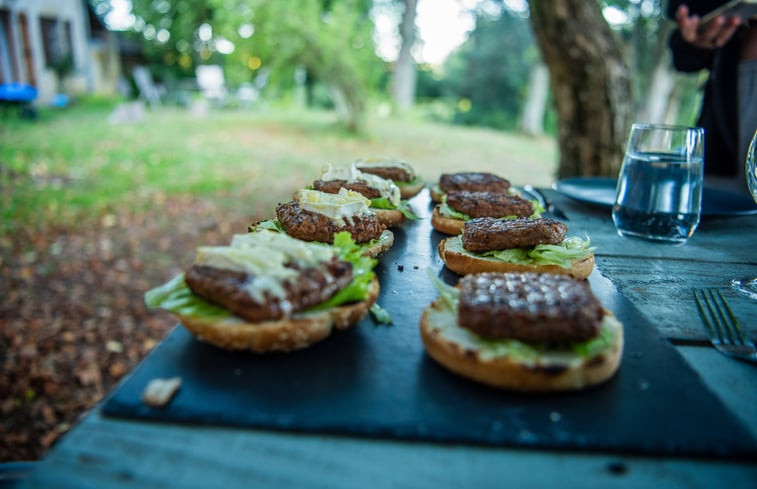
x,y
491,70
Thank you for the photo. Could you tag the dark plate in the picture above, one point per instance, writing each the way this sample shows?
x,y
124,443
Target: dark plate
x,y
601,191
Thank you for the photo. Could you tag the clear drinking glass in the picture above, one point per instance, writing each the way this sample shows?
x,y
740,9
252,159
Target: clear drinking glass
x,y
748,285
659,192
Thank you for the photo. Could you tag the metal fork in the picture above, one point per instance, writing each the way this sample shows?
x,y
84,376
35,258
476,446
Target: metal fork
x,y
722,326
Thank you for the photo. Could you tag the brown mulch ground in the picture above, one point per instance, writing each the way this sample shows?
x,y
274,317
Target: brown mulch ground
x,y
72,317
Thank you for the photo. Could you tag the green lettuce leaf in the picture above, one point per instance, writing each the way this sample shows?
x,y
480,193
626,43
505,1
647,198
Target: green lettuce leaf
x,y
446,210
380,315
564,255
448,293
362,272
404,207
382,203
174,296
270,224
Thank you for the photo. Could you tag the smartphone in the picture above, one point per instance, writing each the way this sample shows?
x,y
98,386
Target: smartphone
x,y
745,9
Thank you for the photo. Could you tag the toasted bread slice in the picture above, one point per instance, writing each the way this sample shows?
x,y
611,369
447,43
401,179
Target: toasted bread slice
x,y
446,224
390,217
408,190
381,245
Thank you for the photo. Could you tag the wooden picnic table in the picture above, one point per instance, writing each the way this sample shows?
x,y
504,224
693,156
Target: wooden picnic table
x,y
650,286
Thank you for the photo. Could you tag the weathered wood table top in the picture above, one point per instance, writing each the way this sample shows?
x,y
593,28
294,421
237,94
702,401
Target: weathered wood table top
x,y
107,452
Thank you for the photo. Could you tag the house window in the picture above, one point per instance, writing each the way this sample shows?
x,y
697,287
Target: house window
x,y
56,40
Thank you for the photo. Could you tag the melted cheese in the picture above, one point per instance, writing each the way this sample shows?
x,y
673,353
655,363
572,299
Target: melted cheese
x,y
337,207
386,188
264,255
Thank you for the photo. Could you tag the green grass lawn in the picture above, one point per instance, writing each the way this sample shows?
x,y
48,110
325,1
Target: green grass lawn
x,y
71,165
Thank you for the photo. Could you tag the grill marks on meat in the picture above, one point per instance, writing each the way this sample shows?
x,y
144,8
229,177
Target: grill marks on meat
x,y
529,307
311,226
476,181
489,204
333,186
396,173
227,288
486,233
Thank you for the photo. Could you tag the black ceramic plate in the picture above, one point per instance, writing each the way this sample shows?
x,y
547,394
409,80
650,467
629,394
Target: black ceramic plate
x,y
601,191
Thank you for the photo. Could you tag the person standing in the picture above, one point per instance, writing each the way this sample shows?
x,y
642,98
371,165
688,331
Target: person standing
x,y
727,47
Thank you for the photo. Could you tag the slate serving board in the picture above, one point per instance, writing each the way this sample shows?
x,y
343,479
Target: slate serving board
x,y
376,381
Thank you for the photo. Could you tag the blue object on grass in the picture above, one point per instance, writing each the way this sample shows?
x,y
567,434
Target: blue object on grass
x,y
60,100
17,92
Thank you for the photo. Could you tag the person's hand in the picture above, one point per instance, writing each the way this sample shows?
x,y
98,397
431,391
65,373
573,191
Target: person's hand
x,y
712,35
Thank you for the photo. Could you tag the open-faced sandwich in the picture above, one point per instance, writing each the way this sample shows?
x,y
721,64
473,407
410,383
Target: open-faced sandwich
x,y
473,181
318,216
402,174
517,245
523,332
385,196
459,206
267,291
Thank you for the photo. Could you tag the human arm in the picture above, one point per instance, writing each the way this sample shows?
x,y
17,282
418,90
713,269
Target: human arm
x,y
692,44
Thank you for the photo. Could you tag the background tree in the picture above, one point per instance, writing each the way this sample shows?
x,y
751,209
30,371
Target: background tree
x,y
168,32
489,72
591,84
404,74
331,40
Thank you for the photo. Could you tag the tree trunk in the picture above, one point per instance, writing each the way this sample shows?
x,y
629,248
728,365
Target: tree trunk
x,y
348,96
591,85
404,74
532,119
660,93
658,97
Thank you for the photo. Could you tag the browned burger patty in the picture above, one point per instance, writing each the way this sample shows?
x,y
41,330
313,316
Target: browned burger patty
x,y
529,307
486,233
333,186
476,181
311,226
395,173
489,204
226,288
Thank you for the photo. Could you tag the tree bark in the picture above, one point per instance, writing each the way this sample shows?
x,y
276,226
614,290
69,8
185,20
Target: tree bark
x,y
404,75
590,80
532,118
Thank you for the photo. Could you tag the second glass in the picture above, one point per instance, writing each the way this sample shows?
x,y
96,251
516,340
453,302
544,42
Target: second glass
x,y
659,192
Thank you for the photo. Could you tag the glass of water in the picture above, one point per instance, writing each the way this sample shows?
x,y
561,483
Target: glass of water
x,y
659,192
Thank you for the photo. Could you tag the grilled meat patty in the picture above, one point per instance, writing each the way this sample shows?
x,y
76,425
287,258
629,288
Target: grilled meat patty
x,y
489,204
333,186
227,288
311,226
529,307
396,173
487,233
476,181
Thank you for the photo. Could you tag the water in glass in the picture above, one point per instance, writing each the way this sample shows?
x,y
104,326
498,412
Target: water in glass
x,y
659,193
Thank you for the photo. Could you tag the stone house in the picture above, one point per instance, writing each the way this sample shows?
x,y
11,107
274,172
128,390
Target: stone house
x,y
57,46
